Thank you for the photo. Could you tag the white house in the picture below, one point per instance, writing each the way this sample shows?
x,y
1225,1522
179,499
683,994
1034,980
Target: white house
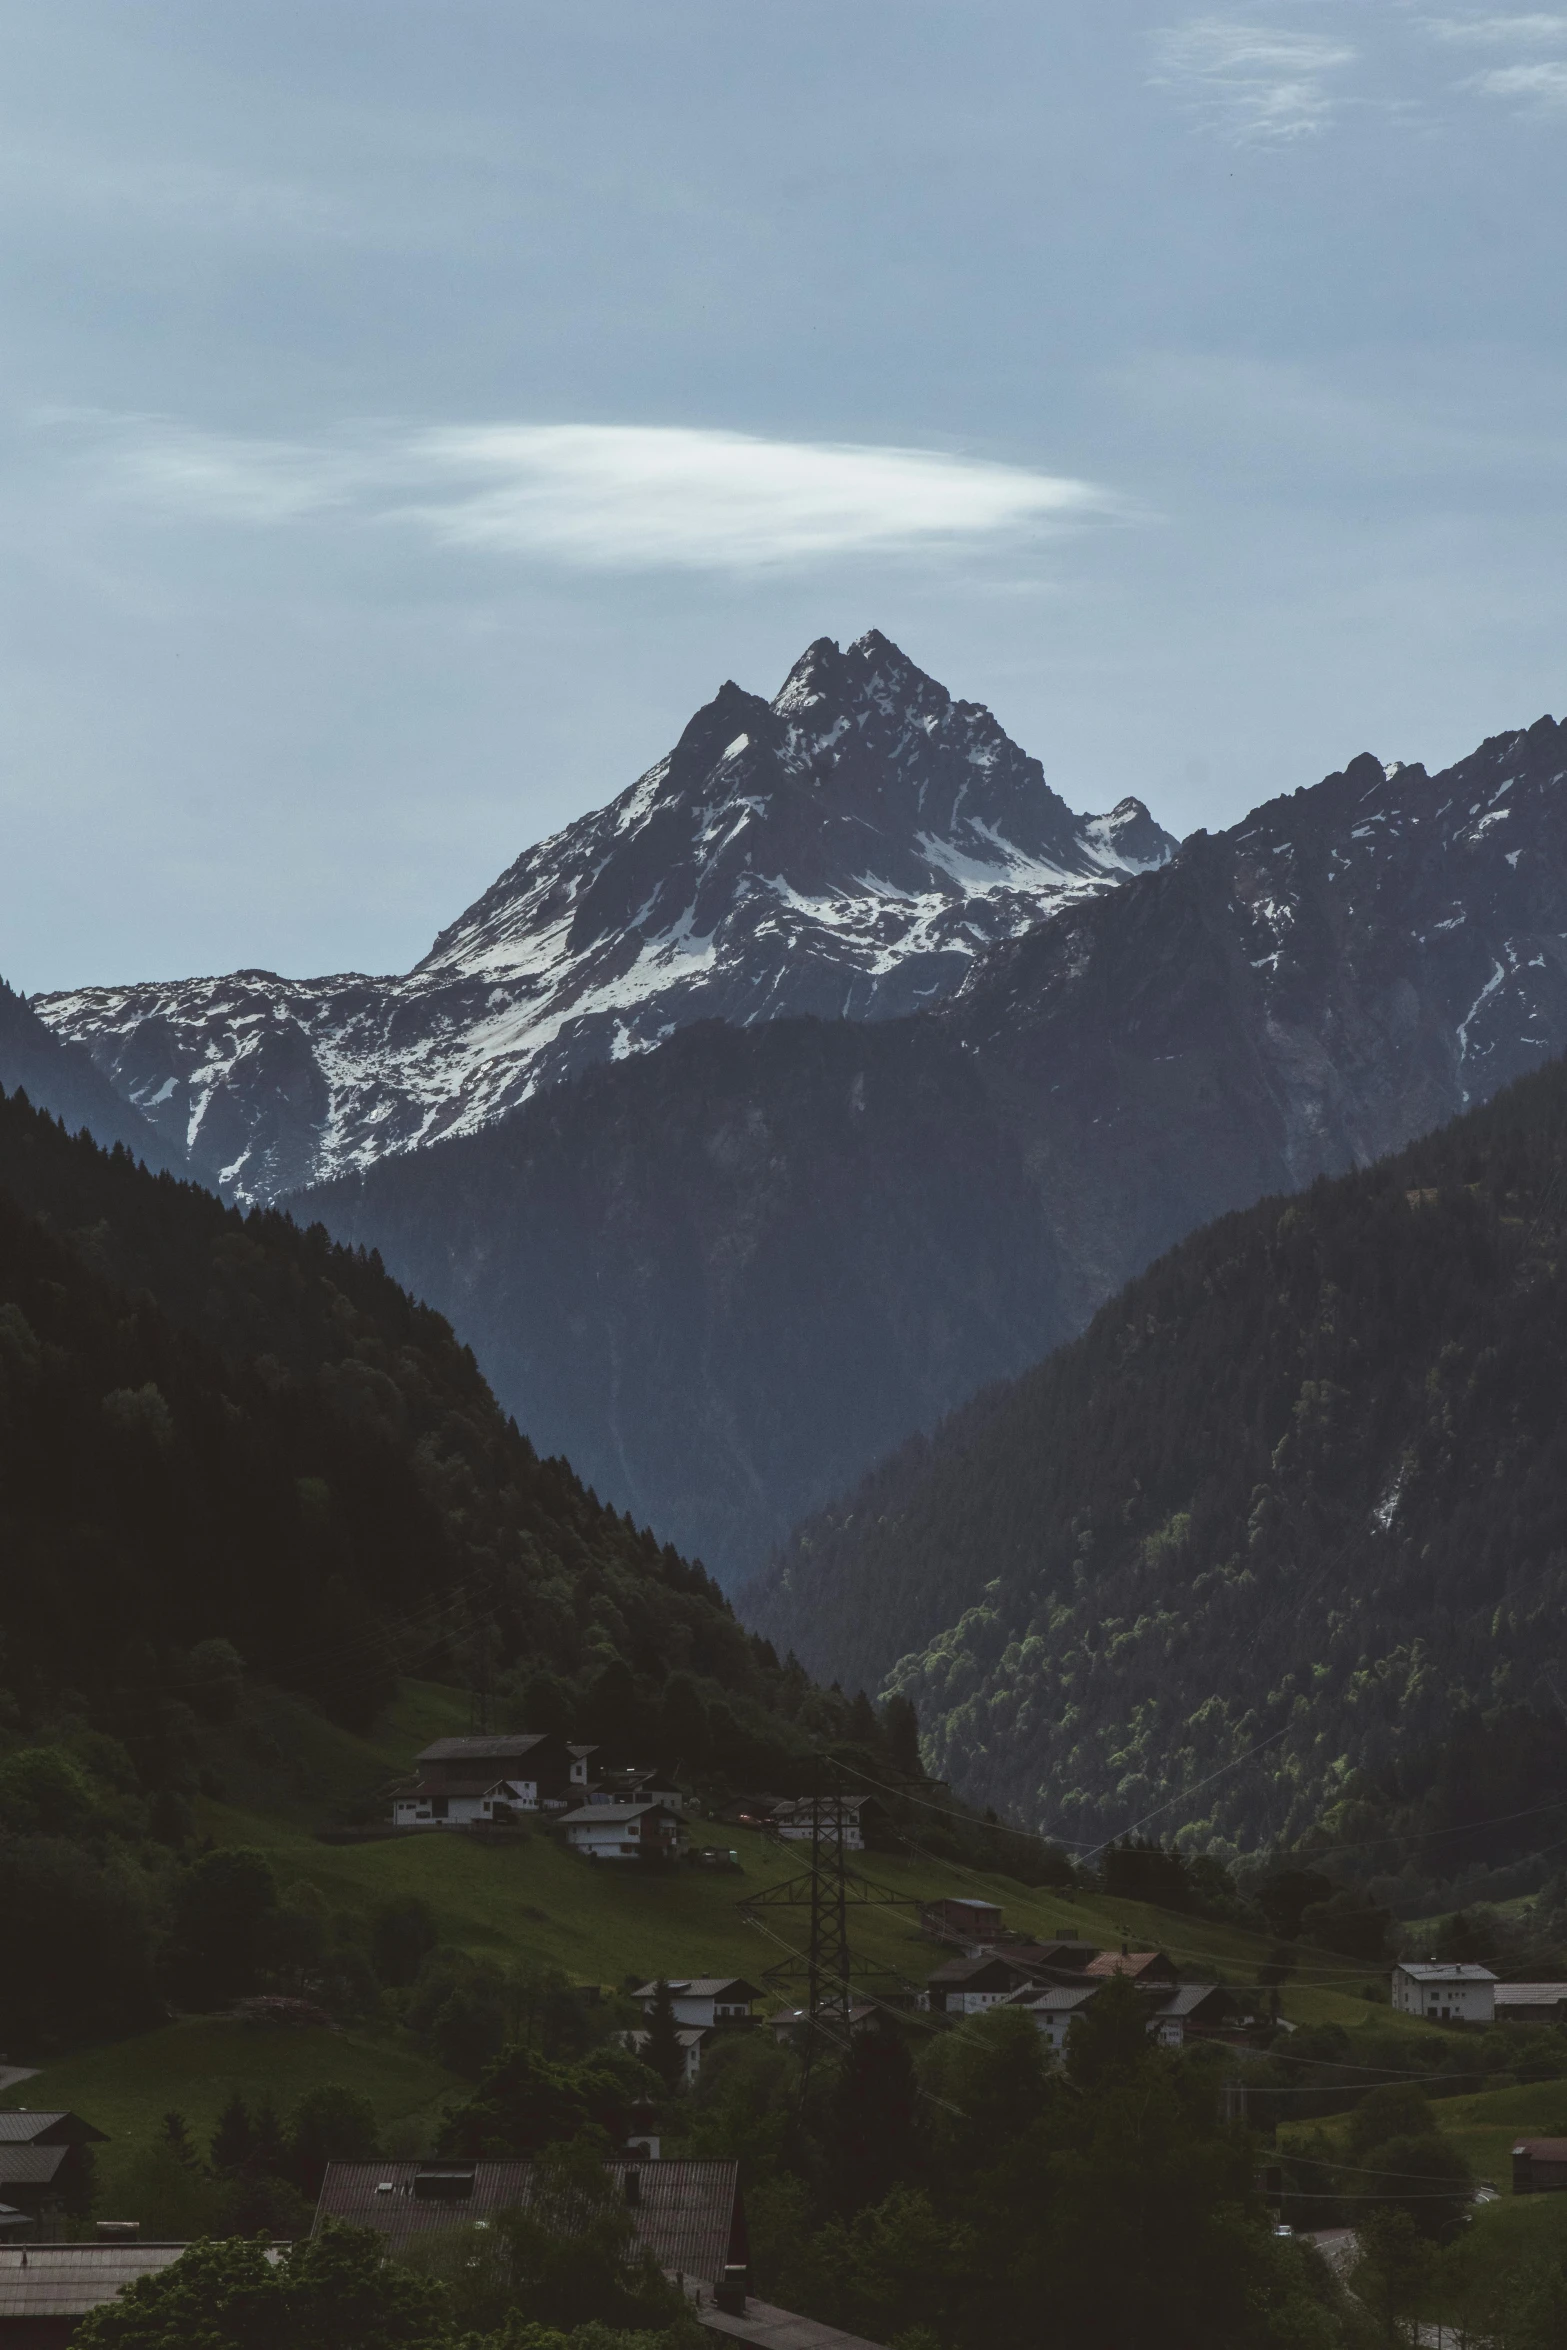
x,y
1053,2008
840,1821
1445,1994
701,2001
622,1831
458,1803
967,1986
466,1780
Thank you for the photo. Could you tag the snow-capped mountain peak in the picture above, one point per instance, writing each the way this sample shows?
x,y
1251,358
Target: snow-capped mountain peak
x,y
845,849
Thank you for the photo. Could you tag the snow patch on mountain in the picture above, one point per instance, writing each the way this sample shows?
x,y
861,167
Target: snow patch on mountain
x,y
846,849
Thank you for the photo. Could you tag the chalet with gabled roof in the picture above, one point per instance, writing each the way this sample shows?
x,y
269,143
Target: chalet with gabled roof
x,y
465,1782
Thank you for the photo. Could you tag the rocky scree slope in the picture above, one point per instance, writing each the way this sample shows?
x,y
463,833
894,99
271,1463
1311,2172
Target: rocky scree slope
x,y
728,1277
1288,1517
843,850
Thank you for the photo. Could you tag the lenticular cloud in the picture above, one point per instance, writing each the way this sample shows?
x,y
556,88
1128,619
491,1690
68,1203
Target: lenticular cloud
x,y
640,495
616,497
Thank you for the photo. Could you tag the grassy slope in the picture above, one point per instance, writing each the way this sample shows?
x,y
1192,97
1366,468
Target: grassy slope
x,y
1485,2125
282,1770
195,2066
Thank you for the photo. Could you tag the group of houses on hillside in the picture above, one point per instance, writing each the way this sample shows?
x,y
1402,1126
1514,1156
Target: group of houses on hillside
x,y
612,1815
1049,1982
494,1782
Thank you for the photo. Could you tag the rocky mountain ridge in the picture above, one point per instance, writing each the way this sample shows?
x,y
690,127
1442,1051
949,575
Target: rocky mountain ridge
x,y
845,850
728,1276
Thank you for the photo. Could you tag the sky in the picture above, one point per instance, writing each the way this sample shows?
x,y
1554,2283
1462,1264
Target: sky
x,y
412,410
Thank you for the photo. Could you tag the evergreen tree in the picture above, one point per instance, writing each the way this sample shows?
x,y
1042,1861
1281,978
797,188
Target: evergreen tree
x,y
329,2124
902,1726
268,2146
661,2051
1108,2038
234,2140
175,2134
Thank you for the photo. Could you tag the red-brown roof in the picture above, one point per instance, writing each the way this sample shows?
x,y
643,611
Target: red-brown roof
x,y
1129,1962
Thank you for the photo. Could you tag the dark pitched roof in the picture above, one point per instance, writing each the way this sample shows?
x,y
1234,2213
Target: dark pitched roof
x,y
1061,1998
609,1815
1136,1963
31,2166
1543,2149
688,2213
478,1750
19,2127
433,1789
958,1971
1066,1957
1191,1998
703,1987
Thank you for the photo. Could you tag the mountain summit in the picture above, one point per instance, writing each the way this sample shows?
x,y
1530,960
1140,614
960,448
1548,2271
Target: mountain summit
x,y
844,850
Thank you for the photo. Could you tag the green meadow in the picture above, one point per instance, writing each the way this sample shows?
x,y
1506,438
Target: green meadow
x,y
281,1770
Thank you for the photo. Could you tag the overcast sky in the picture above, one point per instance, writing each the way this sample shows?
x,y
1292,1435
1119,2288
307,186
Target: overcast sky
x,y
413,409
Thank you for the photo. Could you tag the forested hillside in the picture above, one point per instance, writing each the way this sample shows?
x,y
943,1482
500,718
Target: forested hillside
x,y
221,1427
1285,1522
63,1077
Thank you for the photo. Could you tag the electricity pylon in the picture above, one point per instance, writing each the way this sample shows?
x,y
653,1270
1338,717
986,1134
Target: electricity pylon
x,y
826,1968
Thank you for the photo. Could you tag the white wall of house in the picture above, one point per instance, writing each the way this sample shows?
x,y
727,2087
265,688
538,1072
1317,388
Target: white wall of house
x,y
461,1811
1460,1995
614,1841
799,1832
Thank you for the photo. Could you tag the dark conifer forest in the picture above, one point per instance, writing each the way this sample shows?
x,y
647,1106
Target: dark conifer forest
x,y
1279,1545
216,1426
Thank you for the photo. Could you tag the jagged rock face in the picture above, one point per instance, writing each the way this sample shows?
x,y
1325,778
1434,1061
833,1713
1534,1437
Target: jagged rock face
x,y
845,850
805,1240
1348,967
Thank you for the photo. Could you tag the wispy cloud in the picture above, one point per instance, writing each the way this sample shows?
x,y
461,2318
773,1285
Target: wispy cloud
x,y
1499,32
1542,86
1257,83
612,497
1537,84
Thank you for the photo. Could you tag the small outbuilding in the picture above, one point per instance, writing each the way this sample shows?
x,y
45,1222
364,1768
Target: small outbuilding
x,y
45,2162
1531,2003
1540,2166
